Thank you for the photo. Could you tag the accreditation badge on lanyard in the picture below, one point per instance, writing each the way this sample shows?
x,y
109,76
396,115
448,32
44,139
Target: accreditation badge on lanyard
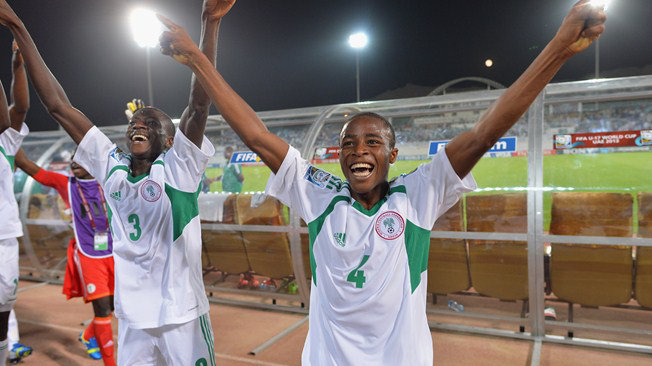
x,y
100,238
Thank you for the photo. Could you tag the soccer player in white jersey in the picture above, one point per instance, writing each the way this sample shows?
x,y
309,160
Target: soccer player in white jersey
x,y
12,133
152,198
369,237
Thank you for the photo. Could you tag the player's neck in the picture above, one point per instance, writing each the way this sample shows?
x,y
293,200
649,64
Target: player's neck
x,y
371,198
140,166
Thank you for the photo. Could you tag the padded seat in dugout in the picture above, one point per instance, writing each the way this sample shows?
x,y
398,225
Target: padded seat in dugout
x,y
224,251
448,265
643,281
268,253
591,275
498,268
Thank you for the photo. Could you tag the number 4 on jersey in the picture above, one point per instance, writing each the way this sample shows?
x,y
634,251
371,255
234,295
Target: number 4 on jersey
x,y
357,276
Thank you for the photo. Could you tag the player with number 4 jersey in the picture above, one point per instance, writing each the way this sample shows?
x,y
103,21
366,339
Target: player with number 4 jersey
x,y
369,237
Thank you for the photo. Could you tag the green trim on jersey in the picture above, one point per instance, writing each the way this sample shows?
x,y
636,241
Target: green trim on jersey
x,y
314,227
129,177
136,179
417,246
372,211
10,158
116,168
185,207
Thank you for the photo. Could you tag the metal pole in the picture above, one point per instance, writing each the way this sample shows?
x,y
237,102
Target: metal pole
x,y
149,79
597,58
357,75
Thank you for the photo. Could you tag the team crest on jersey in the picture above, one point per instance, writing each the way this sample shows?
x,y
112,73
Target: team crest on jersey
x,y
90,288
390,225
150,191
316,176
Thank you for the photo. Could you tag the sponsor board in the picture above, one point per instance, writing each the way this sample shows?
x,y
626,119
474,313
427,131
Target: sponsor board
x,y
503,145
603,140
245,157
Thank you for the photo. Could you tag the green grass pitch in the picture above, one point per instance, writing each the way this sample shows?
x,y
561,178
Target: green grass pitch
x,y
627,172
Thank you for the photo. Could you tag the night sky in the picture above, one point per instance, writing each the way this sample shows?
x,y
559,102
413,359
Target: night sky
x,y
289,54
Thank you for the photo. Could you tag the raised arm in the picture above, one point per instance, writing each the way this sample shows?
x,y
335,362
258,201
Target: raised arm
x,y
19,91
26,165
237,113
193,119
583,24
47,87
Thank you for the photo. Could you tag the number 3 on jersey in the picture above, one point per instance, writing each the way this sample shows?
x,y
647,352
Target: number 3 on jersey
x,y
357,276
135,221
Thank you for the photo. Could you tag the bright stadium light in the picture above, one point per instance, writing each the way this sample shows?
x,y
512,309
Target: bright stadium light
x,y
358,40
145,27
489,62
600,3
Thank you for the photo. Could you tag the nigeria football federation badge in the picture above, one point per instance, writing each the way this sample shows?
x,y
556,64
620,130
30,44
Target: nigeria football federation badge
x,y
150,191
389,225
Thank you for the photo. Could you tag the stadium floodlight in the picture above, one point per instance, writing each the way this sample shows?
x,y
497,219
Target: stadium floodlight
x,y
358,40
146,29
600,3
489,62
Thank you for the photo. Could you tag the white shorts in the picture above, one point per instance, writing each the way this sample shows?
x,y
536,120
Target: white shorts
x,y
8,273
189,343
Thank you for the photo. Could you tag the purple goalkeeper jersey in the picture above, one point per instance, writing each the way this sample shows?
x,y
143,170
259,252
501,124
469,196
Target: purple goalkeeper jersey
x,y
85,229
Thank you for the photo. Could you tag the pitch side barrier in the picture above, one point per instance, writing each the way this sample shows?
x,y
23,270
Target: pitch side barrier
x,y
505,253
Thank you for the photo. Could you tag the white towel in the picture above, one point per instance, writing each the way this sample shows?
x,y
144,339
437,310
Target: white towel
x,y
211,206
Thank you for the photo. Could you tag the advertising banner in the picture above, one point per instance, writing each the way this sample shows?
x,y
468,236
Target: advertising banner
x,y
603,139
505,144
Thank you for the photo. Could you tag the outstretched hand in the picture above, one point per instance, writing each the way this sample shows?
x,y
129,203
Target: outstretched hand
x,y
583,25
216,9
176,42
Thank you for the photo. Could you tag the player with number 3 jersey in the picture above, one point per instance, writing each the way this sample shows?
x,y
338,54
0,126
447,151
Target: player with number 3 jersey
x,y
151,193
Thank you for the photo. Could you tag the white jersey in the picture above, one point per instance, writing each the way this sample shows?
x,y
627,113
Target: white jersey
x,y
10,141
368,297
156,231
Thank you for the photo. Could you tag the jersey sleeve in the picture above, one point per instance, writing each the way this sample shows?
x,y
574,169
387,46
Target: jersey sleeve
x,y
433,188
10,139
97,154
185,163
303,187
54,180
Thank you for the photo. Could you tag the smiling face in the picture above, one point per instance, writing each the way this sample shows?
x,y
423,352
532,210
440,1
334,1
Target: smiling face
x,y
150,132
367,149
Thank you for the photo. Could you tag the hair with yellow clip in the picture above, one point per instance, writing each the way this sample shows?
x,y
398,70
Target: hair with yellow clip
x,y
133,106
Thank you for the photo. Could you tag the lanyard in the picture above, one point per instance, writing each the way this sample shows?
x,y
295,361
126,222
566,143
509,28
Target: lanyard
x,y
88,208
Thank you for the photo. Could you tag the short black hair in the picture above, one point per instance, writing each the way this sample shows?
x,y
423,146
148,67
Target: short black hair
x,y
392,133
